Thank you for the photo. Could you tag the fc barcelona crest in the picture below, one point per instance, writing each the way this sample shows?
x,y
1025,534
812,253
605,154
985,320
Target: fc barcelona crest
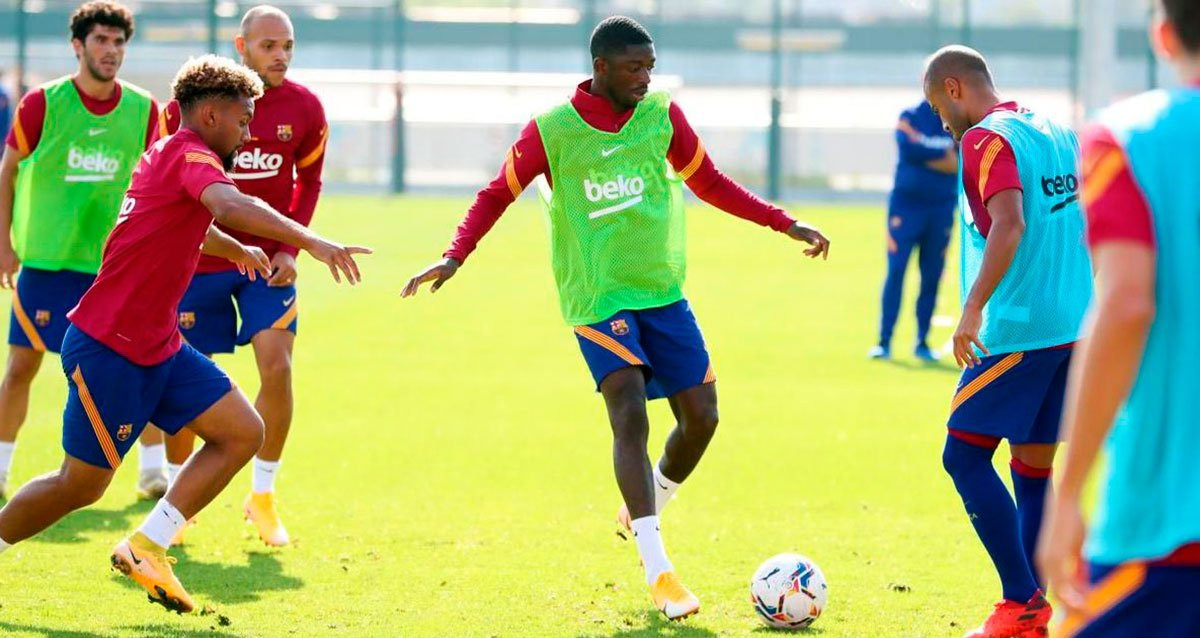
x,y
187,320
619,327
284,132
42,318
124,431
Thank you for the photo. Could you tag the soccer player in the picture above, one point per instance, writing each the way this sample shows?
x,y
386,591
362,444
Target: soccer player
x,y
920,215
1135,380
67,161
1026,283
5,106
123,355
618,255
282,165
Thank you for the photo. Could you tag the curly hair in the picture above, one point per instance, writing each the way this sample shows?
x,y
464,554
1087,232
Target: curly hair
x,y
109,14
210,76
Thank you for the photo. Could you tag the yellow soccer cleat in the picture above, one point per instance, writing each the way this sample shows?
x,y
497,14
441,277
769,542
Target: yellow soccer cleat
x,y
149,566
672,598
260,510
152,485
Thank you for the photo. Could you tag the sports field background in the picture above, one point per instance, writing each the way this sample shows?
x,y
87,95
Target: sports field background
x,y
449,471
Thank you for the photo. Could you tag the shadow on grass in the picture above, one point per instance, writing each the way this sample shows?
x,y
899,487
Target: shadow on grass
x,y
167,630
9,628
654,624
227,583
763,630
75,527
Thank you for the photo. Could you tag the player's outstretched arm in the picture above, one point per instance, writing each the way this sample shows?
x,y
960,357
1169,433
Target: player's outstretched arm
x,y
250,260
239,211
439,272
9,263
1102,373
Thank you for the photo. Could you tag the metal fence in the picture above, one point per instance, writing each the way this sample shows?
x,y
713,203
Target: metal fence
x,y
791,96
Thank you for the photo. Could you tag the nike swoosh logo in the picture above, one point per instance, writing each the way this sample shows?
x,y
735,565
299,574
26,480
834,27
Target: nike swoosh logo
x,y
96,131
981,142
517,152
609,151
289,300
136,560
660,485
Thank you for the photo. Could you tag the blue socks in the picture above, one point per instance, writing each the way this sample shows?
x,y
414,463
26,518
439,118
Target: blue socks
x,y
992,513
1030,485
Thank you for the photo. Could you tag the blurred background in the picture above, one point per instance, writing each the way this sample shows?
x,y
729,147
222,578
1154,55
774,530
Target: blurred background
x,y
796,98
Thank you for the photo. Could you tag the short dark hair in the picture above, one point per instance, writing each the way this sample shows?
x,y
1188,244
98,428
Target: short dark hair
x,y
109,14
956,60
1184,15
210,76
615,33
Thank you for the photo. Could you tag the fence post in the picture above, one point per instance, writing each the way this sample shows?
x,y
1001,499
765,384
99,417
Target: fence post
x,y
399,167
22,48
213,26
774,133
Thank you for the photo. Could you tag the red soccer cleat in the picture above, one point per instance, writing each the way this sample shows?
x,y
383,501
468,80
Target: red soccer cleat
x,y
1011,619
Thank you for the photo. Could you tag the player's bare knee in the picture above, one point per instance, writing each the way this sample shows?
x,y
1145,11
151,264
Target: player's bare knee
x,y
704,423
81,488
276,372
1039,456
249,435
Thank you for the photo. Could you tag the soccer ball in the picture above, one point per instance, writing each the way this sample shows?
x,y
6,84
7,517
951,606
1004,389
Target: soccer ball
x,y
788,591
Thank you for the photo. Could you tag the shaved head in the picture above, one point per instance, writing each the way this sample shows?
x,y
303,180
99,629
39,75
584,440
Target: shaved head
x,y
266,43
957,61
958,85
262,11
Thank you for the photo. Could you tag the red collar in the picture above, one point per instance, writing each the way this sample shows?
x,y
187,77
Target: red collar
x,y
1005,106
587,103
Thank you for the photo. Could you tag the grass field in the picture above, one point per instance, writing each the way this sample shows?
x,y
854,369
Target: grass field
x,y
449,472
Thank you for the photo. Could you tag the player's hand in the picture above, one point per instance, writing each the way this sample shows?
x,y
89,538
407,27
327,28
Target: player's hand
x,y
438,273
1060,550
9,265
819,244
966,338
339,258
253,262
283,270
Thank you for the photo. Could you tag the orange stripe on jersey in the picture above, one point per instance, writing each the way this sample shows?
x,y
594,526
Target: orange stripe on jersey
x,y
1108,593
164,116
985,165
316,153
93,414
1102,173
203,158
711,375
980,382
19,132
694,165
510,173
608,343
27,326
288,317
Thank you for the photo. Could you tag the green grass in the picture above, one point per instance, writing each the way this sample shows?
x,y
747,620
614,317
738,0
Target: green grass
x,y
449,470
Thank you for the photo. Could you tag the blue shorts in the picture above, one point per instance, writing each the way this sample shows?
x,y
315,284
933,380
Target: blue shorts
x,y
209,322
40,307
1139,599
665,342
110,399
1016,396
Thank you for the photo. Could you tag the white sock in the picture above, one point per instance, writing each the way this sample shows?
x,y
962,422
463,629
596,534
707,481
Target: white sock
x,y
264,475
650,547
162,523
172,472
152,457
664,490
6,454
4,545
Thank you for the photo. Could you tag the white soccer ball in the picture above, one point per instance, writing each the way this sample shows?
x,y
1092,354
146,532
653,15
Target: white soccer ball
x,y
788,591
